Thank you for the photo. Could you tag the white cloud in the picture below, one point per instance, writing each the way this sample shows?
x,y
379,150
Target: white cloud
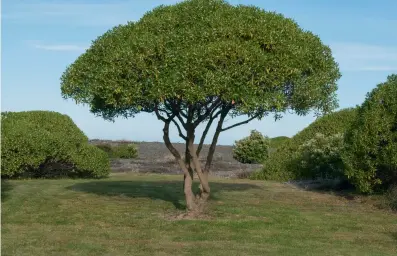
x,y
60,47
365,57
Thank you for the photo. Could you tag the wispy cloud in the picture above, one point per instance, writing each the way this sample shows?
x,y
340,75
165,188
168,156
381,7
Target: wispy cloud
x,y
365,57
61,47
78,13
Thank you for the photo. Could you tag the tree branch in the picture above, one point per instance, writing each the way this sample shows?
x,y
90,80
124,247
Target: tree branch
x,y
159,116
179,129
181,120
218,130
240,123
207,127
208,111
172,149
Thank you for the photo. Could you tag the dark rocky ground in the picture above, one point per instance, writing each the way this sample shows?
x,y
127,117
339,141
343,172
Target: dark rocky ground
x,y
154,157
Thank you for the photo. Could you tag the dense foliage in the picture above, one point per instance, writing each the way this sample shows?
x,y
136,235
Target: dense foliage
x,y
371,144
320,157
185,53
252,149
123,150
47,144
285,163
277,141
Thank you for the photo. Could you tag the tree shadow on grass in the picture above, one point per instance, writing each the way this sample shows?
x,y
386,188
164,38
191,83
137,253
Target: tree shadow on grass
x,y
6,188
170,191
342,189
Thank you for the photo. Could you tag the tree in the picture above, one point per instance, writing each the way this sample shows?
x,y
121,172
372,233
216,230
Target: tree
x,y
200,61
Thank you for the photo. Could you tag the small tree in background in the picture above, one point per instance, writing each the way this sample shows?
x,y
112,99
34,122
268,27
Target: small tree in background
x,y
200,61
252,149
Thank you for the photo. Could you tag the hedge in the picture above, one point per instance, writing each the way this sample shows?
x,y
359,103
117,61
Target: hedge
x,y
47,144
371,143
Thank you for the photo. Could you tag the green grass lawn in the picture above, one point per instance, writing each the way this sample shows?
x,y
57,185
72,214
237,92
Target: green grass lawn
x,y
131,215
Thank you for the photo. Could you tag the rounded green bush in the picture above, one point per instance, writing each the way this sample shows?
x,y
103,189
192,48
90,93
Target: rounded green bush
x,y
284,163
252,149
47,144
371,144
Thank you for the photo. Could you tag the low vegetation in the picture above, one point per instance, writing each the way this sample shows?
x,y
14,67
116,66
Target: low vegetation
x,y
138,215
42,144
252,149
122,150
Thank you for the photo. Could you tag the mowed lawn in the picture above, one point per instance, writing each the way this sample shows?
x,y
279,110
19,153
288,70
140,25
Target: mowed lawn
x,y
131,214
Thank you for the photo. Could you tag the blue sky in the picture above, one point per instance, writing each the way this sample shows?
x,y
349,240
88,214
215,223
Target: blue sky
x,y
41,37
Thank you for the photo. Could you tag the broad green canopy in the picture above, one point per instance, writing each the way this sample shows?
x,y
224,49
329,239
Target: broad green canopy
x,y
198,50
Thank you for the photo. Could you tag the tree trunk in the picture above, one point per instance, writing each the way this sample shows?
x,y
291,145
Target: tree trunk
x,y
188,173
205,188
211,151
187,189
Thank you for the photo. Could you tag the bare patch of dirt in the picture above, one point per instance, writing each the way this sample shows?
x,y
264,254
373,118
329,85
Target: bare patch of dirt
x,y
154,157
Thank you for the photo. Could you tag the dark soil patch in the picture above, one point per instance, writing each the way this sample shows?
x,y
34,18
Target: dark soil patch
x,y
154,157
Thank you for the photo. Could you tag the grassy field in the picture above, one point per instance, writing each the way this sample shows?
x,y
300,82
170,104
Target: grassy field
x,y
132,215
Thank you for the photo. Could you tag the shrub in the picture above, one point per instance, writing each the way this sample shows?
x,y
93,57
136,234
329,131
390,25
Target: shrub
x,y
125,150
321,157
371,143
284,163
252,149
47,144
89,161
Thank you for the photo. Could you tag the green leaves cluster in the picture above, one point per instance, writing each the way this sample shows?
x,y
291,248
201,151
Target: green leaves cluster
x,y
200,49
252,149
371,144
47,144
